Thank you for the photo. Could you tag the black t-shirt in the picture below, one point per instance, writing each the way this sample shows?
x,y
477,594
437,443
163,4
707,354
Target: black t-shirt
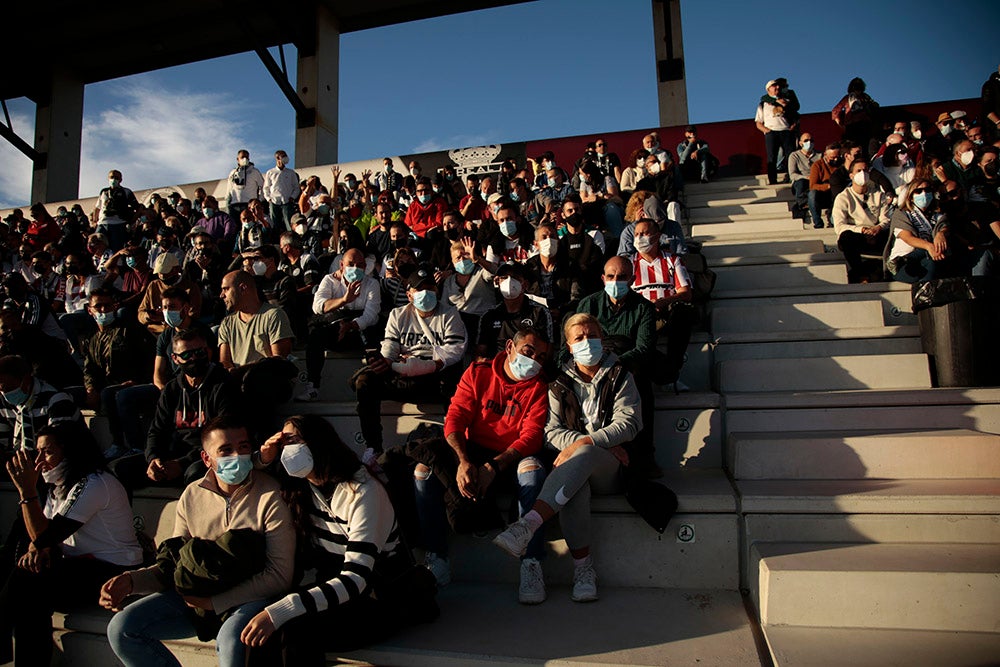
x,y
498,325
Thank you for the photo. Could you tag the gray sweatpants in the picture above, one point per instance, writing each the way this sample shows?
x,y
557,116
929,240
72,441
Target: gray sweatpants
x,y
568,487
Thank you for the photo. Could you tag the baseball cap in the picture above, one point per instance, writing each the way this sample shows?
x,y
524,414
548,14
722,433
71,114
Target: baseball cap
x,y
772,82
943,117
512,269
422,277
494,198
165,263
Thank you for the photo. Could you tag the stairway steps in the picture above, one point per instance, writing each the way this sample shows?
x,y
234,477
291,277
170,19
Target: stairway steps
x,y
860,398
887,371
738,250
786,277
730,319
726,349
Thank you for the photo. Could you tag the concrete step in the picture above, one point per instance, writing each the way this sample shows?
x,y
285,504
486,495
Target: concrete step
x,y
753,279
871,496
720,249
739,210
939,454
738,198
782,260
945,587
793,646
814,337
726,351
927,409
793,232
873,371
755,182
724,227
785,317
894,298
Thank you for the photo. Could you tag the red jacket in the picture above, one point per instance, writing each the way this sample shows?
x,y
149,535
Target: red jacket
x,y
495,413
422,218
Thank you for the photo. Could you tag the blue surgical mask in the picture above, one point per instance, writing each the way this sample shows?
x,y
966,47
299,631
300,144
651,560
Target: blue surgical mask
x,y
297,459
424,198
130,262
807,146
514,196
16,396
484,195
208,211
104,319
923,199
114,182
551,182
425,300
248,225
508,228
465,266
323,209
616,289
173,318
587,352
233,469
524,368
353,274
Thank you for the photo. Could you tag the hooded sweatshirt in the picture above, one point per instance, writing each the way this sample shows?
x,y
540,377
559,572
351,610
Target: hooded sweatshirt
x,y
175,433
497,413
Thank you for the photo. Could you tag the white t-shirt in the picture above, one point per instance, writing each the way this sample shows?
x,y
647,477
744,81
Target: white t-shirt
x,y
100,503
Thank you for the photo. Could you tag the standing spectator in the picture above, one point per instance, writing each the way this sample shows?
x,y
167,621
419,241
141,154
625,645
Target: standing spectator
x,y
857,114
116,206
245,183
990,96
388,180
219,225
772,120
281,191
693,155
799,165
819,184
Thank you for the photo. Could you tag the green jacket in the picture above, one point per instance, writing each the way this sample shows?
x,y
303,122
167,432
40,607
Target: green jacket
x,y
629,328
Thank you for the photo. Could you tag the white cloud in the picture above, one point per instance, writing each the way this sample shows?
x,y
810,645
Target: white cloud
x,y
15,177
432,144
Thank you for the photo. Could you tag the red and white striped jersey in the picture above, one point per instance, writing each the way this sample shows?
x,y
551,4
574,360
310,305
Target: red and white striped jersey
x,y
660,278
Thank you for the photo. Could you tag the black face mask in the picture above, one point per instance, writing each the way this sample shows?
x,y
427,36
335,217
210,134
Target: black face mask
x,y
453,234
573,220
195,368
837,162
72,269
400,243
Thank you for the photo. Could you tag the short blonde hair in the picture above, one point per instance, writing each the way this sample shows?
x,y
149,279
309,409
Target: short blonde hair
x,y
580,319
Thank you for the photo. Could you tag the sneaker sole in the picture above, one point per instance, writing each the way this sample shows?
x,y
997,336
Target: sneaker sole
x,y
586,598
506,547
531,601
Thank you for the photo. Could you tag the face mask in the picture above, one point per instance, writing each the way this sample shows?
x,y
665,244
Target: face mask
x,y
114,182
131,262
208,211
587,352
860,178
425,300
415,173
514,196
297,460
508,228
524,368
450,177
300,229
171,280
323,209
547,165
616,289
640,163
483,195
923,200
510,288
104,319
573,220
173,318
15,396
966,158
234,469
388,169
899,132
917,134
978,142
551,182
57,475
259,268
247,226
807,146
353,274
243,161
400,243
645,243
423,199
654,168
196,368
548,247
465,266
436,189
945,130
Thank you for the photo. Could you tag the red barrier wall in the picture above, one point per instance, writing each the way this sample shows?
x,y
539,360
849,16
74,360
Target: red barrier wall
x,y
737,143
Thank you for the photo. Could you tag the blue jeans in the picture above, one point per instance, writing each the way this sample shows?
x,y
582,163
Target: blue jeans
x,y
117,235
281,217
431,509
775,141
800,188
124,408
818,200
135,632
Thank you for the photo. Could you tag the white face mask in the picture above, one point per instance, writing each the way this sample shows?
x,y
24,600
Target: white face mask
x,y
548,247
917,134
297,459
966,158
860,178
644,243
259,268
510,288
654,168
57,475
243,162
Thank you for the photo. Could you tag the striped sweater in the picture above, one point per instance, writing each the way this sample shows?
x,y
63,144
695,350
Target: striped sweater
x,y
356,526
46,405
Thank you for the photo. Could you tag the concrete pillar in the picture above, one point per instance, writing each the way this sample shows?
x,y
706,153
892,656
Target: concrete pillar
x,y
58,132
671,89
318,85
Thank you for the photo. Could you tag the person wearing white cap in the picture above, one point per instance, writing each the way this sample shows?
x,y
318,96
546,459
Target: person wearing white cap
x,y
168,274
772,120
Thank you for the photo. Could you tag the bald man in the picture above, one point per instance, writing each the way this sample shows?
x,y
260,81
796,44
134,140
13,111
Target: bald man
x,y
346,305
628,321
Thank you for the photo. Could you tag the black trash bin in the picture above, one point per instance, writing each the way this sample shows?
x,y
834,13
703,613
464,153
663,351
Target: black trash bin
x,y
960,329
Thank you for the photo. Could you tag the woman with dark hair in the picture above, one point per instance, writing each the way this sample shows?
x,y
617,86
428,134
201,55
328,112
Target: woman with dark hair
x,y
635,171
857,114
347,534
68,545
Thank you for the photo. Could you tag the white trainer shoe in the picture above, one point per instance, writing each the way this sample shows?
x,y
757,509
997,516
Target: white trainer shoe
x,y
532,587
584,583
515,539
439,567
308,394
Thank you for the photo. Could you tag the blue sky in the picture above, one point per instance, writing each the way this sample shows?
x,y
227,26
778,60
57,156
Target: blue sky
x,y
549,68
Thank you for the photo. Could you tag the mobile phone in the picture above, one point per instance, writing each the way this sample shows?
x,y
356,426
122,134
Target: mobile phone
x,y
372,354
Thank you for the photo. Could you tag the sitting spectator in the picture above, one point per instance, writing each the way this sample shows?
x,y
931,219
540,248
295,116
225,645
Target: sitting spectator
x,y
961,168
452,231
469,287
499,324
230,496
423,342
799,165
920,234
219,225
584,251
646,205
398,268
659,275
201,391
252,234
360,594
348,237
861,220
43,228
115,208
986,183
492,432
314,231
130,272
513,242
27,404
896,166
346,308
522,198
940,145
67,545
47,280
34,311
694,157
178,315
635,171
166,241
252,330
659,179
168,275
819,184
100,253
78,282
840,179
276,286
388,180
472,206
304,270
973,225
593,414
427,209
551,283
48,356
602,202
205,266
379,243
554,193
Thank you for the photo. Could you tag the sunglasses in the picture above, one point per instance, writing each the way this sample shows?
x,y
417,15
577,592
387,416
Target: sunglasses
x,y
188,355
921,191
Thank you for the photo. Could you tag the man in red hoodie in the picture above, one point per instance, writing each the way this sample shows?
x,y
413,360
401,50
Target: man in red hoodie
x,y
493,429
427,211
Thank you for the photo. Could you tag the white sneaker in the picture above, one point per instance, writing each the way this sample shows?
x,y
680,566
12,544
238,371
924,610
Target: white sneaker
x,y
439,567
515,539
308,394
532,587
584,583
